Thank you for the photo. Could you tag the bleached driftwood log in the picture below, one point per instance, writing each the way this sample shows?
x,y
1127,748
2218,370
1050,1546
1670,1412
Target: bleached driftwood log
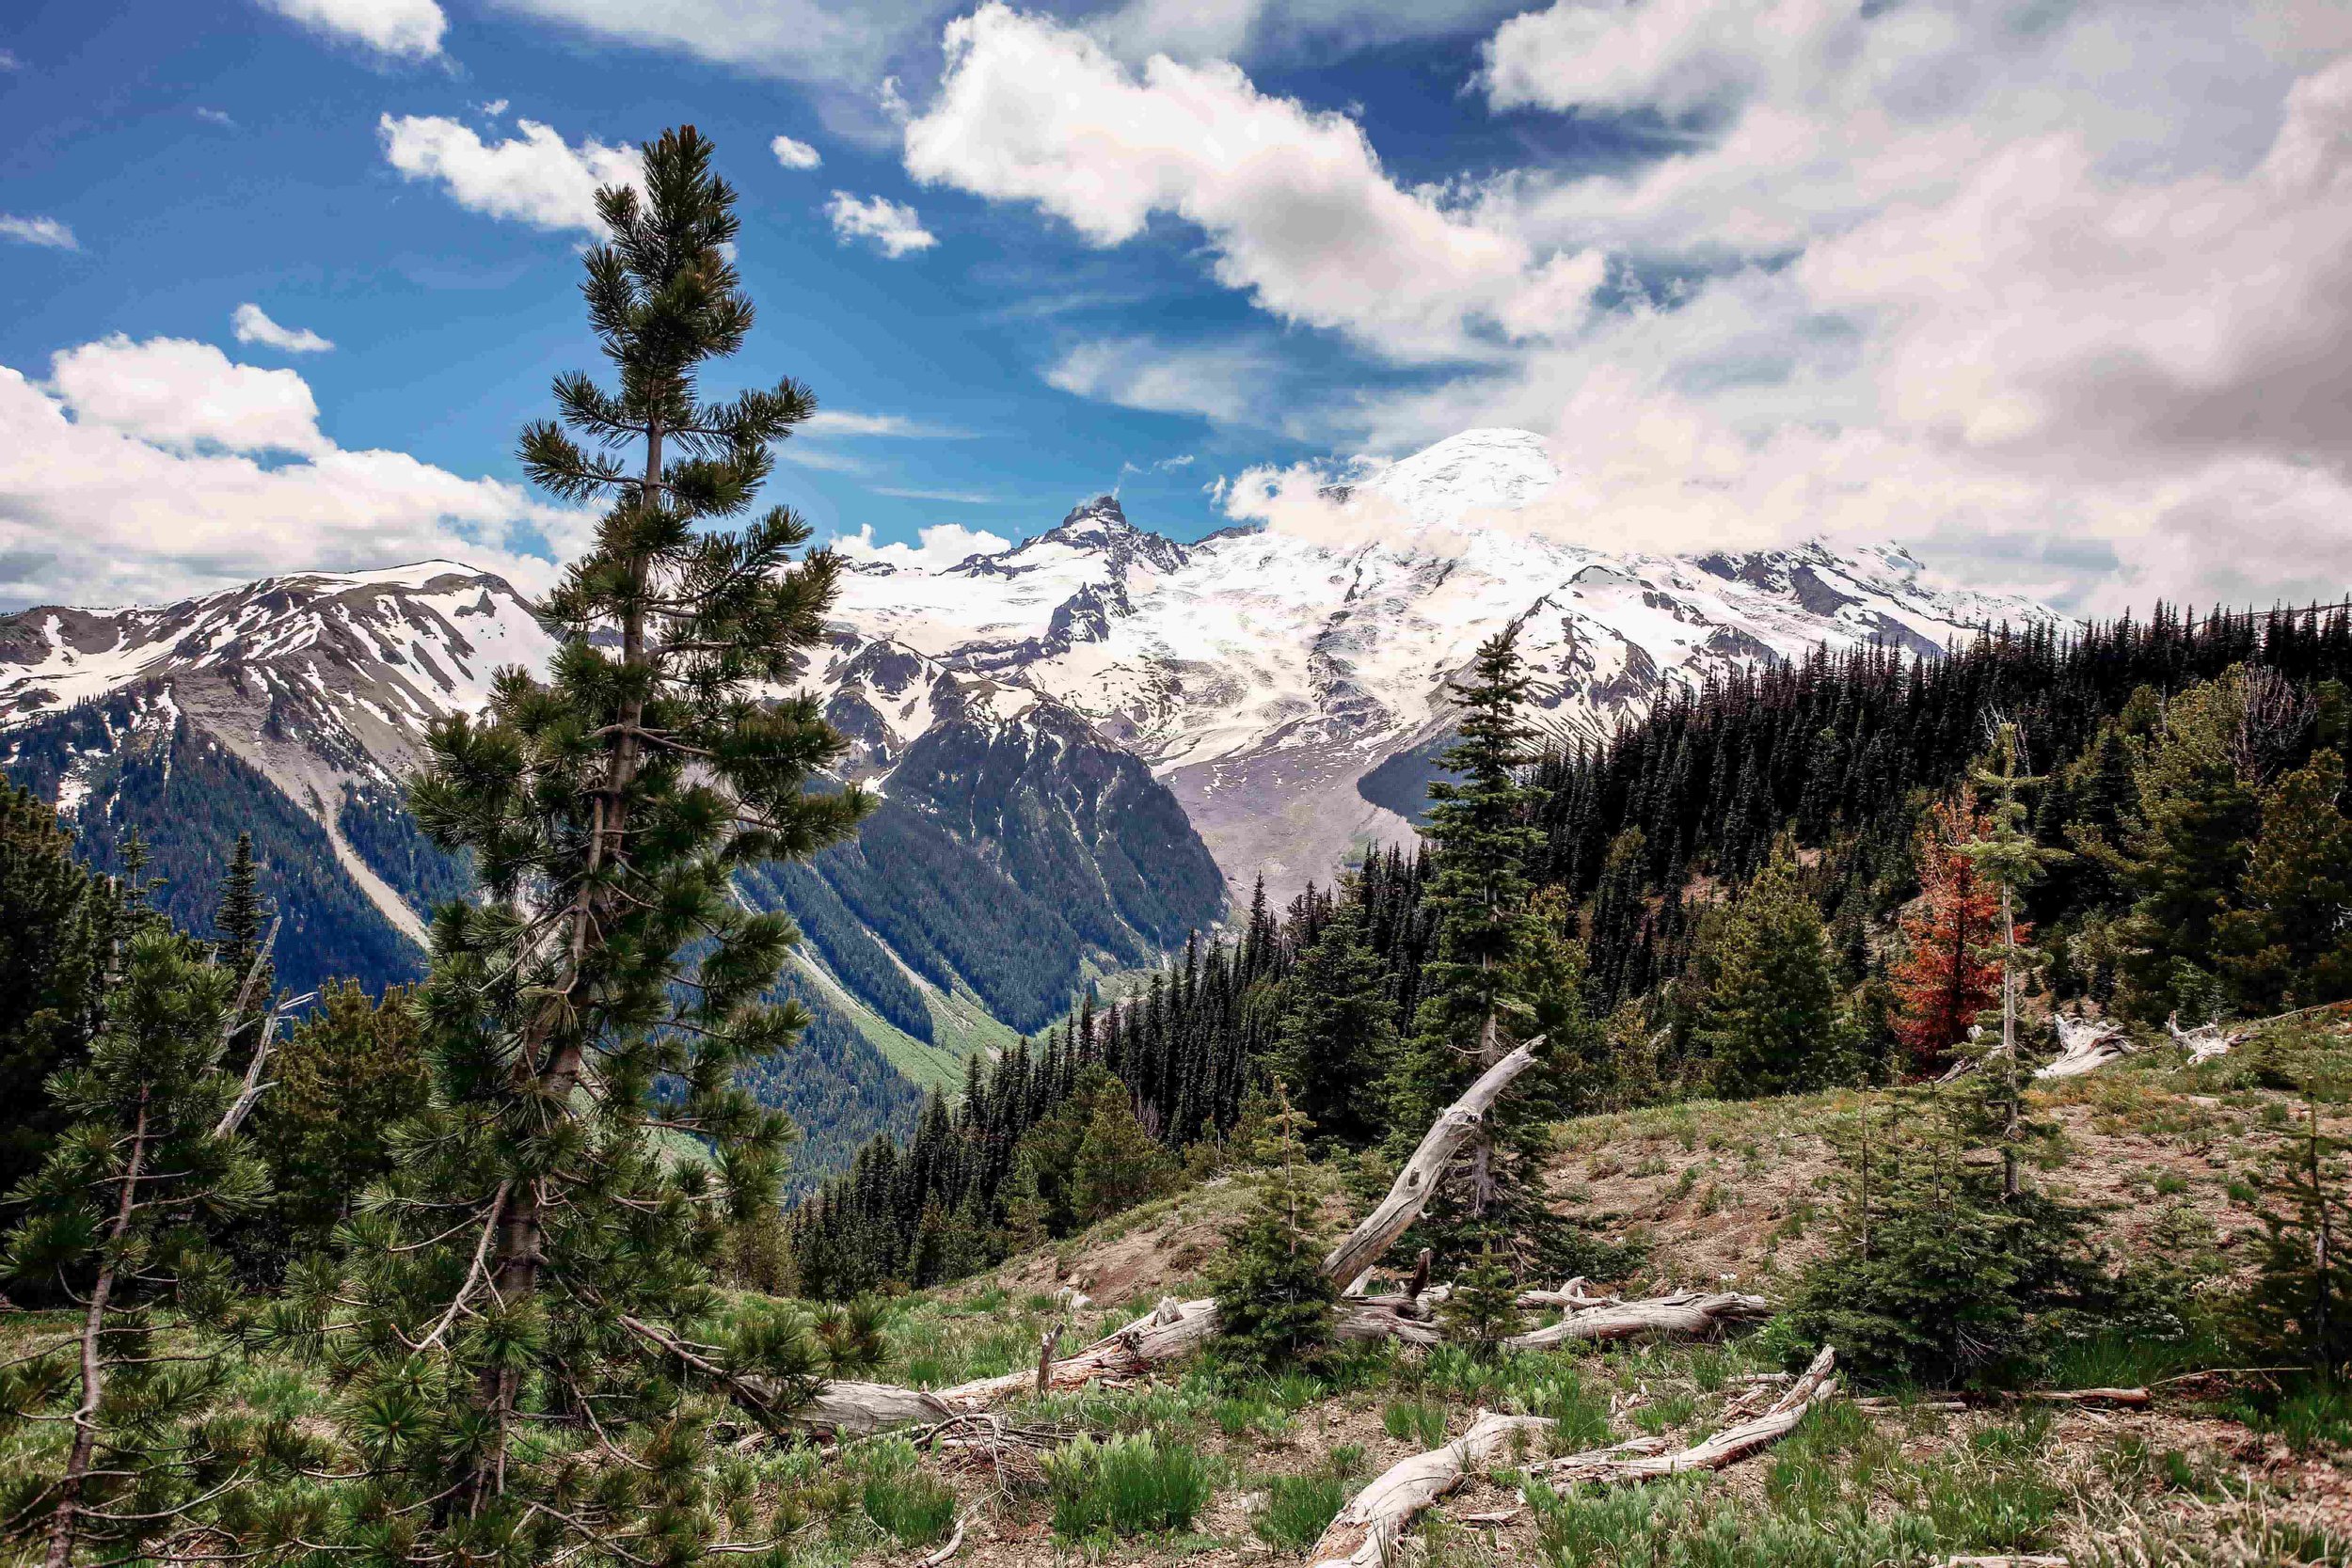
x,y
1365,1532
2085,1046
1818,1384
1685,1312
1410,1194
845,1408
2205,1043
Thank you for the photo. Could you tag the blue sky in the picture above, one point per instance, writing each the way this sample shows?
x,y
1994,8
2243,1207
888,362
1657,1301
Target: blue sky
x,y
2054,292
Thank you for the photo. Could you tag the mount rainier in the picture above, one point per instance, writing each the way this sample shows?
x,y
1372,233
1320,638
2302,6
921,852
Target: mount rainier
x,y
1087,744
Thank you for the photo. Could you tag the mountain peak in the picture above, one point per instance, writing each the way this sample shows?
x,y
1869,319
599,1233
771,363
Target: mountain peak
x,y
1472,471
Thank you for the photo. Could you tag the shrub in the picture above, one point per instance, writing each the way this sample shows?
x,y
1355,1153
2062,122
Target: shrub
x,y
1298,1509
1125,1486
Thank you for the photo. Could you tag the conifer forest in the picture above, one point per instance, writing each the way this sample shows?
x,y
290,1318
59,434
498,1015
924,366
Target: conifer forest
x,y
1882,1105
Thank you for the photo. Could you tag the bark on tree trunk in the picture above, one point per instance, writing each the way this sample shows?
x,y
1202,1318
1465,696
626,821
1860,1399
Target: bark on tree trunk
x,y
1415,1184
77,1465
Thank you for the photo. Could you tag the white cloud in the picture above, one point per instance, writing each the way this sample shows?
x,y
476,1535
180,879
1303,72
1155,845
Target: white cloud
x,y
408,29
960,498
1230,383
794,154
893,226
535,178
215,117
495,108
175,393
944,544
1297,209
9,61
840,422
1237,30
814,40
107,495
41,231
253,325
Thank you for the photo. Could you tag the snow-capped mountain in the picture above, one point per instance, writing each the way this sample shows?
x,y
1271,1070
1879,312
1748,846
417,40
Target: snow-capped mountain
x,y
1084,743
1266,673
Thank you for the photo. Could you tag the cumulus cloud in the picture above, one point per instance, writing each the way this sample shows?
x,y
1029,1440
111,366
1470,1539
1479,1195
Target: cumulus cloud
x,y
943,545
185,396
37,231
1296,207
535,177
145,471
893,226
404,29
794,154
253,325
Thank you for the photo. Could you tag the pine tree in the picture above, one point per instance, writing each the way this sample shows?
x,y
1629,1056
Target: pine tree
x,y
538,1256
121,1215
2290,945
2199,818
344,1078
1118,1165
2007,857
239,922
1339,1030
1274,1307
2301,1304
1944,980
1484,843
1771,1019
57,931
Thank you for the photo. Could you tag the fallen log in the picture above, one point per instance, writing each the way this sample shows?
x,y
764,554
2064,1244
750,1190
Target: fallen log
x,y
1684,1312
2085,1046
2207,1040
845,1408
1818,1384
1410,1194
1365,1532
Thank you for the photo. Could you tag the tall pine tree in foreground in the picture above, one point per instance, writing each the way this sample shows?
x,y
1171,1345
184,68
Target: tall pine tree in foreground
x,y
535,1353
1469,1018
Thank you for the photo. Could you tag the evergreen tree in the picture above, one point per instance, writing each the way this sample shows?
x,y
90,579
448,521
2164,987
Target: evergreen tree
x,y
2007,857
2290,945
1274,1307
1467,1021
1771,1022
342,1081
57,931
1339,1030
239,923
120,1216
538,1256
2301,1304
1117,1164
2199,818
1945,980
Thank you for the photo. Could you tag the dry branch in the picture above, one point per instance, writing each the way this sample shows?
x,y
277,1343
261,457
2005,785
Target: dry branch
x,y
1411,1191
1365,1531
1817,1386
2085,1046
1685,1312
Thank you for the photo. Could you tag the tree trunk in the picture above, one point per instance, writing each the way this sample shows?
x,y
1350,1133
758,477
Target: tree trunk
x,y
77,1465
1418,1182
1365,1532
